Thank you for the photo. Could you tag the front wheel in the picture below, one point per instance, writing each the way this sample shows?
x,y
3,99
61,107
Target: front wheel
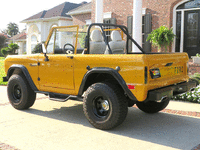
x,y
152,106
20,94
104,106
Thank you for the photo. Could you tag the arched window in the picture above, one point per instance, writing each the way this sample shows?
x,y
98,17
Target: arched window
x,y
191,4
33,42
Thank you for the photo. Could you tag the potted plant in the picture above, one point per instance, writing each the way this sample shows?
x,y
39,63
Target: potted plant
x,y
161,37
196,59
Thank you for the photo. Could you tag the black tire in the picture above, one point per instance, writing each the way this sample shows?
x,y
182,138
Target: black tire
x,y
20,94
104,106
152,106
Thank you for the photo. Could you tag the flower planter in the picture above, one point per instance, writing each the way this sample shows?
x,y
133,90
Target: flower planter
x,y
196,60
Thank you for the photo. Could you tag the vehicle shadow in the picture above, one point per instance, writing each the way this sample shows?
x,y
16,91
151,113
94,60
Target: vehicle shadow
x,y
170,130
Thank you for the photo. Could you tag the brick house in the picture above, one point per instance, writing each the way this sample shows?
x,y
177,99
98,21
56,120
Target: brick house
x,y
182,15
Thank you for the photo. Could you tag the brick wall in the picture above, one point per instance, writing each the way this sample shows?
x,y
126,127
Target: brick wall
x,y
161,10
193,68
80,19
120,9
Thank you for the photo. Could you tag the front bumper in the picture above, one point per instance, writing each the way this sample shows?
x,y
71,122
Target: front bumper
x,y
169,91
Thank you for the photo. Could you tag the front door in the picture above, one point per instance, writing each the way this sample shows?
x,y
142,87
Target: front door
x,y
56,75
192,32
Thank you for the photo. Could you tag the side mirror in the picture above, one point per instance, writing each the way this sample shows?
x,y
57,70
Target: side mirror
x,y
45,52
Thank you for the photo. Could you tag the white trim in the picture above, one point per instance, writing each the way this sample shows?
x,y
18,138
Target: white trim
x,y
182,31
188,9
46,19
107,15
80,12
88,22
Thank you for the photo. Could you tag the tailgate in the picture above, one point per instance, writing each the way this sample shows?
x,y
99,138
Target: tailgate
x,y
166,69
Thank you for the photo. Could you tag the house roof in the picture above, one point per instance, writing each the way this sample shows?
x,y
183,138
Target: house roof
x,y
58,11
85,8
19,37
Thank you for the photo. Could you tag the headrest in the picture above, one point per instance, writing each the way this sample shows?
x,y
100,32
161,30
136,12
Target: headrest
x,y
115,36
96,36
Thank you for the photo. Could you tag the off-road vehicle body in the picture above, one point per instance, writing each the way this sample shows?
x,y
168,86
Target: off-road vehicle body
x,y
99,70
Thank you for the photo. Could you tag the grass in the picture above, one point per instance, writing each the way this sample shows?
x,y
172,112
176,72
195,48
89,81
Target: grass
x,y
2,71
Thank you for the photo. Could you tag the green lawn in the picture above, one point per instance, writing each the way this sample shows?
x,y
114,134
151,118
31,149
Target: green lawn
x,y
2,71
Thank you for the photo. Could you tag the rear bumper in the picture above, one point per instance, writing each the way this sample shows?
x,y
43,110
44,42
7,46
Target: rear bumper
x,y
169,91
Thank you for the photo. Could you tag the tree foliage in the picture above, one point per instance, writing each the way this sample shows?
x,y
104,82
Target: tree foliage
x,y
2,41
12,29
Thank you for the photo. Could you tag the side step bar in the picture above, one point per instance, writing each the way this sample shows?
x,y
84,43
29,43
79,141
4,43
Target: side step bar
x,y
64,98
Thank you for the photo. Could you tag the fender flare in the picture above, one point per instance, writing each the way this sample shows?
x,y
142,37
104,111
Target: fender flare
x,y
25,72
110,71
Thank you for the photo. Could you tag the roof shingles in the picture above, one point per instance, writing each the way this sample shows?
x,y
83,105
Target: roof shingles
x,y
58,11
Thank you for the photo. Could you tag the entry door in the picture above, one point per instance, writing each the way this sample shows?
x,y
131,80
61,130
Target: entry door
x,y
192,32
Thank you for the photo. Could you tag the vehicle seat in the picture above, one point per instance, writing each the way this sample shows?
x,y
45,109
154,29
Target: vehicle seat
x,y
97,45
117,45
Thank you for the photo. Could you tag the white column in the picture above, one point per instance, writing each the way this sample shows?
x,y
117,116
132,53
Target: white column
x,y
99,11
137,24
20,48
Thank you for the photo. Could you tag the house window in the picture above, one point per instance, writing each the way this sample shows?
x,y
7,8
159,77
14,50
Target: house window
x,y
109,21
33,42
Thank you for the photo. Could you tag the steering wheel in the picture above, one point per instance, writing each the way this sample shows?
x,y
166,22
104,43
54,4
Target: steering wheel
x,y
68,51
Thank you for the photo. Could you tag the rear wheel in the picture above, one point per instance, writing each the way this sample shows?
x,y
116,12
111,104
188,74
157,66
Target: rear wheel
x,y
152,106
104,106
20,94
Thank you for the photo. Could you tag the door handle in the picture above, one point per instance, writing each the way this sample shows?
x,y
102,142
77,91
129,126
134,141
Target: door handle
x,y
71,57
33,65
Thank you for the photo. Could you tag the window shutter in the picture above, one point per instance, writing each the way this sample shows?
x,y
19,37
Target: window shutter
x,y
147,30
130,28
113,21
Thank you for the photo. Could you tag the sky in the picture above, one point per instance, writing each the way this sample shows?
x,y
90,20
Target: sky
x,y
18,10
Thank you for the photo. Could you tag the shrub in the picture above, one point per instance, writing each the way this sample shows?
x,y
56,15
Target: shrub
x,y
193,96
37,48
13,47
5,51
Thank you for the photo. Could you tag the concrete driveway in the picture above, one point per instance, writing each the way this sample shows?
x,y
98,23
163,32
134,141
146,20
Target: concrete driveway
x,y
52,125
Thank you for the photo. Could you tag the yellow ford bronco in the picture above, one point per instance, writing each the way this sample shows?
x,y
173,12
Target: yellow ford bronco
x,y
98,68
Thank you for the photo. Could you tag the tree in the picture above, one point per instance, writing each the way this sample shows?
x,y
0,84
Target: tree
x,y
12,29
2,41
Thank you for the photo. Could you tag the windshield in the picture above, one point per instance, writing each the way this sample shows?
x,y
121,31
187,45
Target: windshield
x,y
62,38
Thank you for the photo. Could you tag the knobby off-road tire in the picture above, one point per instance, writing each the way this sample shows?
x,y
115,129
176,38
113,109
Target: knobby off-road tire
x,y
104,106
20,94
151,106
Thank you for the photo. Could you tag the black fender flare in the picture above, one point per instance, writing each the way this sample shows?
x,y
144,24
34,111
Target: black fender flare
x,y
110,71
25,72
